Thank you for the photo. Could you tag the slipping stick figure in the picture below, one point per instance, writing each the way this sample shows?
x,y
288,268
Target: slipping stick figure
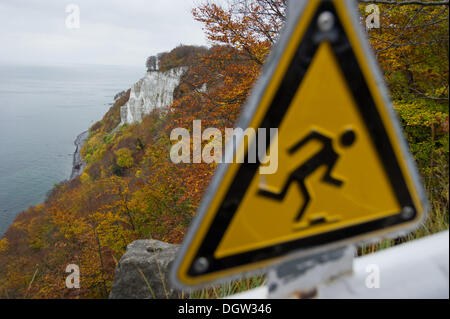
x,y
326,156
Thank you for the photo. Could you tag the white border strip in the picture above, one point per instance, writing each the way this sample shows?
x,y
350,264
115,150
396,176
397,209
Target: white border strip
x,y
418,269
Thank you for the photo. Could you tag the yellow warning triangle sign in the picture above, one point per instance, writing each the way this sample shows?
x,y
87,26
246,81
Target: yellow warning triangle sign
x,y
343,173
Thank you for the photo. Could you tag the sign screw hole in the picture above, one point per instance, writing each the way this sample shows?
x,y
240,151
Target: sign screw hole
x,y
325,21
201,265
407,212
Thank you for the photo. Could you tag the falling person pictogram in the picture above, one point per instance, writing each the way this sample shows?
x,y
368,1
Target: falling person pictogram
x,y
326,156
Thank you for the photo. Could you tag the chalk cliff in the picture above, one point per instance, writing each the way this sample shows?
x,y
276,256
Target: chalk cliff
x,y
154,90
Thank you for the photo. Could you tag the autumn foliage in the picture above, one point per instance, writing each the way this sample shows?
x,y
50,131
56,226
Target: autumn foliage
x,y
131,190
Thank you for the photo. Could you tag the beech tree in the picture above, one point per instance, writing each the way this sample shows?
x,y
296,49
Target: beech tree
x,y
152,63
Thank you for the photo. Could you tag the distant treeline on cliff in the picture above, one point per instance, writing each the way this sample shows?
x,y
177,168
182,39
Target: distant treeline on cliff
x,y
182,55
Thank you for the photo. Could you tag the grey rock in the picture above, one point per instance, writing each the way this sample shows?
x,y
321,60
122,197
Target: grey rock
x,y
78,163
143,271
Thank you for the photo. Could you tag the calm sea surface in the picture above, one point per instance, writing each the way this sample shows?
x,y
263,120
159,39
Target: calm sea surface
x,y
42,110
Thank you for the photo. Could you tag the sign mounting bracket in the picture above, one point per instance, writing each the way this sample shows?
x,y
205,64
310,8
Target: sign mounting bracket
x,y
299,277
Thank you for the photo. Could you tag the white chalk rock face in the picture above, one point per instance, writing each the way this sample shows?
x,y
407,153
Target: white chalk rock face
x,y
154,90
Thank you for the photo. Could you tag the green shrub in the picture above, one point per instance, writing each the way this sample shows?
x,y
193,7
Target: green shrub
x,y
124,158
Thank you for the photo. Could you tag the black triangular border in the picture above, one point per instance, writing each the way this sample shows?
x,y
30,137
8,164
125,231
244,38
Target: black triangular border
x,y
285,93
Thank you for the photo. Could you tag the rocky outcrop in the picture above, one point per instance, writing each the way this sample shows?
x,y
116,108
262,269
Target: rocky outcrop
x,y
143,271
154,90
78,163
119,95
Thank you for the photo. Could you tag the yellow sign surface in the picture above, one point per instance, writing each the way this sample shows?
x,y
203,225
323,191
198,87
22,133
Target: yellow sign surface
x,y
344,173
362,193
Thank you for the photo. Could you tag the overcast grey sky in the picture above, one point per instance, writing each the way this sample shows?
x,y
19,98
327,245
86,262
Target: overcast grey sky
x,y
119,32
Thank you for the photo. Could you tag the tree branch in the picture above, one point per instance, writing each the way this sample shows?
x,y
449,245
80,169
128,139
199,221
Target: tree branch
x,y
404,3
